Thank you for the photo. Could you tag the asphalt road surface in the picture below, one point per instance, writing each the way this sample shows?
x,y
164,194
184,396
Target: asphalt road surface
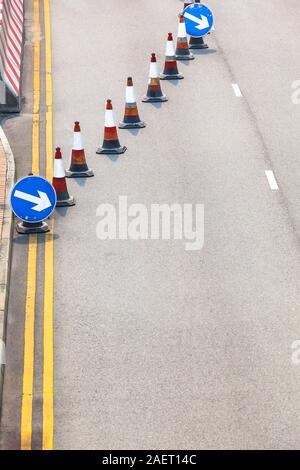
x,y
155,346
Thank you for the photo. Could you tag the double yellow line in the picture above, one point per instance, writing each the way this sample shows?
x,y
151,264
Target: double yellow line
x,y
29,329
49,254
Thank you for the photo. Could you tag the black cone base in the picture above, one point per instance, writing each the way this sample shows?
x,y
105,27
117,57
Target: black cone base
x,y
185,57
66,202
177,76
132,125
26,228
197,43
106,151
79,174
154,99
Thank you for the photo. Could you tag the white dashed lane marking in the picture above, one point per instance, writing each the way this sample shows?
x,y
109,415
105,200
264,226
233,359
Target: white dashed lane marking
x,y
237,90
272,180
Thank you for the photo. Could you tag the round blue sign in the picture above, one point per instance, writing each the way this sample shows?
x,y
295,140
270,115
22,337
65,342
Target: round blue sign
x,y
33,199
198,19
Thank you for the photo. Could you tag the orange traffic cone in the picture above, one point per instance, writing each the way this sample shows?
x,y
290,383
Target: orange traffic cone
x,y
131,117
78,167
59,182
182,49
154,92
170,71
111,144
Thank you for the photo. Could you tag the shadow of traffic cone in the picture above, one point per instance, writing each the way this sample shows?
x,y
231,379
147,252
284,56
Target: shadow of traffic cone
x,y
182,48
170,71
78,167
111,144
131,117
154,92
59,182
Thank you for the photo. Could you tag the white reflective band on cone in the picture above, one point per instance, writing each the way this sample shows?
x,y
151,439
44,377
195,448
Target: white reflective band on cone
x,y
130,95
181,30
153,73
59,171
109,118
170,51
77,141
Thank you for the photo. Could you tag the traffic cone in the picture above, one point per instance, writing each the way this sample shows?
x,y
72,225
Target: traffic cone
x,y
170,71
78,167
154,92
59,182
182,49
131,117
111,144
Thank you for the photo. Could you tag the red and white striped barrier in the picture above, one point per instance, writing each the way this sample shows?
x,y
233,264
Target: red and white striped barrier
x,y
11,44
1,6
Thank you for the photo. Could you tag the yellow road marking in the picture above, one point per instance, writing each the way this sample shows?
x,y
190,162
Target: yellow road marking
x,y
48,345
36,90
26,416
48,60
28,368
48,419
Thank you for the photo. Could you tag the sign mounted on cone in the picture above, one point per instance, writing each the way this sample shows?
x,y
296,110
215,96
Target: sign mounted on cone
x,y
33,199
198,19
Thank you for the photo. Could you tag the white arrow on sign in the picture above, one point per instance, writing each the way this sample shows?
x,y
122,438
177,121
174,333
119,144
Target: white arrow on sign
x,y
202,21
42,202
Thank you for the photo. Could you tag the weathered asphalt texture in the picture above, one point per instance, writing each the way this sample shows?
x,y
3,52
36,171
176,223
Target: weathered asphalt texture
x,y
156,347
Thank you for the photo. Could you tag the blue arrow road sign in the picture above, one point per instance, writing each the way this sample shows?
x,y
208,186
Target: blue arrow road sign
x,y
33,199
198,20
